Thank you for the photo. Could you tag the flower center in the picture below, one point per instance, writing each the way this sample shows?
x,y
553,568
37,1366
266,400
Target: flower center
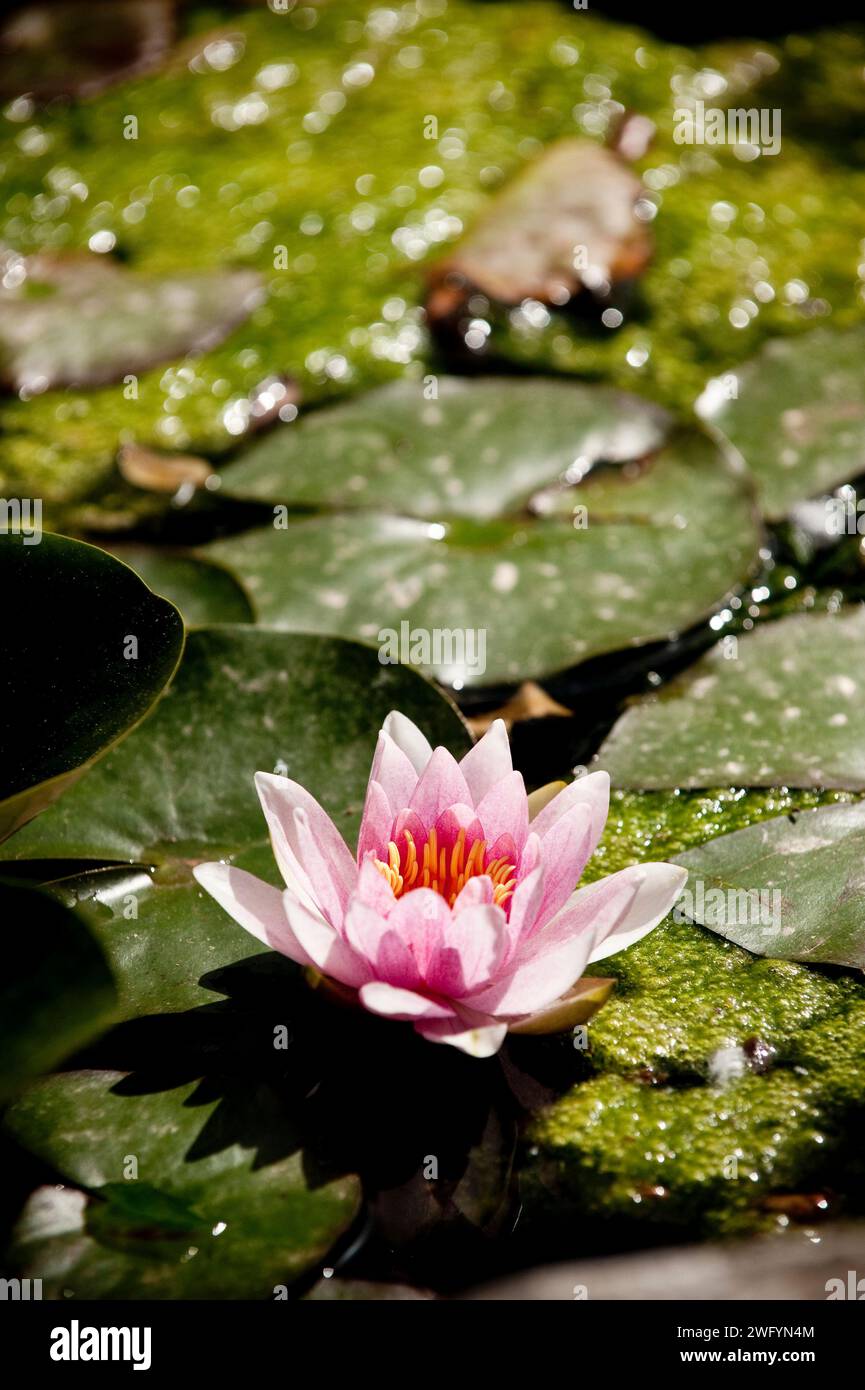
x,y
444,870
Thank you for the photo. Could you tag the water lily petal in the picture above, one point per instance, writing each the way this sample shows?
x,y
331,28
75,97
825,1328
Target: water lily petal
x,y
441,784
373,889
386,999
468,953
537,981
658,887
253,904
488,762
455,819
476,893
526,904
530,857
504,811
421,918
565,850
376,824
394,771
326,950
482,1040
409,739
383,947
591,912
332,891
331,872
592,791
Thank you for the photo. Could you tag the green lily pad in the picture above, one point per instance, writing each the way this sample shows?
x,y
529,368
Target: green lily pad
x,y
57,991
479,449
798,415
83,321
204,593
198,1220
93,650
161,934
243,700
635,553
780,708
793,887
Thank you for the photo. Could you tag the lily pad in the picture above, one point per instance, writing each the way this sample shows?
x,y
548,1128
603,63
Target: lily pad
x,y
163,937
80,320
243,700
793,887
57,991
480,448
204,593
635,553
200,1218
93,648
798,415
782,707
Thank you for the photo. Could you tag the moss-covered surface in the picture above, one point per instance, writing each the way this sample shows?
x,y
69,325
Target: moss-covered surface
x,y
280,140
712,1080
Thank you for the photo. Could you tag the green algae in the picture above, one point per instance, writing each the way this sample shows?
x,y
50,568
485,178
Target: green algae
x,y
712,1079
660,824
282,147
701,1159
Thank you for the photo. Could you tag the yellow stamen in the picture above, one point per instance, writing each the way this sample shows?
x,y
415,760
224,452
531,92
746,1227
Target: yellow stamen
x,y
446,873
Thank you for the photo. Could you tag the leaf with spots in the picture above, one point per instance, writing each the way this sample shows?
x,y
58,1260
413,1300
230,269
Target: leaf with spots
x,y
80,320
562,561
797,418
781,707
163,1198
480,449
792,887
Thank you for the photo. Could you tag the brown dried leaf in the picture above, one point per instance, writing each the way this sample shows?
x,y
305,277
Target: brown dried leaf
x,y
567,222
155,472
73,48
530,701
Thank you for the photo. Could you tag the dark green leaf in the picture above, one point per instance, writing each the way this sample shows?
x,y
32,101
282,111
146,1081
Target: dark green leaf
x,y
243,700
57,991
480,449
92,650
203,592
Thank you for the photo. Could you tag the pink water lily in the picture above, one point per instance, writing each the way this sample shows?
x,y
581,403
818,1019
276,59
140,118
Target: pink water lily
x,y
458,912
